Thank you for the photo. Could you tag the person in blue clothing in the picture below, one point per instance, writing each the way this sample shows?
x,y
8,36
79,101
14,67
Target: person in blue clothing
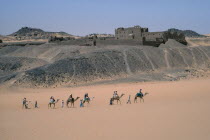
x,y
111,101
81,103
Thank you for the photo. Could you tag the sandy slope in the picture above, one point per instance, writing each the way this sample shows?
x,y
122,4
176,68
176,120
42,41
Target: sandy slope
x,y
172,110
193,42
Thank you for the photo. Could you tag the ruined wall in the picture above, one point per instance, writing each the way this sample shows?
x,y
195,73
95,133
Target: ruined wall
x,y
101,42
152,36
134,33
118,42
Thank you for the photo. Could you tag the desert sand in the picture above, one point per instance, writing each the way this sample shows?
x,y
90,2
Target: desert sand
x,y
193,42
172,110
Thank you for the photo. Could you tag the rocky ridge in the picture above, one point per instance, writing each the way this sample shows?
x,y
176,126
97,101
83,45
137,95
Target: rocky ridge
x,y
70,65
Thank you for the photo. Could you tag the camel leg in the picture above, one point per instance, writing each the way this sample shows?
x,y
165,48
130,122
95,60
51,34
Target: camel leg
x,y
135,100
142,99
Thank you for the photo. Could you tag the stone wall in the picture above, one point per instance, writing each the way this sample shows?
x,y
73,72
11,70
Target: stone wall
x,y
134,33
152,36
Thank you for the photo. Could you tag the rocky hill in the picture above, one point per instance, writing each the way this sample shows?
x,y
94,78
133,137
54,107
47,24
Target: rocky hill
x,y
68,65
187,33
27,33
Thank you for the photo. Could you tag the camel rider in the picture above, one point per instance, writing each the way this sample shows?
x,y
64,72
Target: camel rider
x,y
140,94
115,94
70,97
86,97
52,99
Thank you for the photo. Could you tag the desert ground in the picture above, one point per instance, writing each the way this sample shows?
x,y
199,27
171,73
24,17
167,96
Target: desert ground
x,y
176,110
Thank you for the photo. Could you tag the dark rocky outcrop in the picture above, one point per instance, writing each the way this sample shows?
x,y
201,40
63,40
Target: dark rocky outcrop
x,y
58,39
187,33
34,33
27,31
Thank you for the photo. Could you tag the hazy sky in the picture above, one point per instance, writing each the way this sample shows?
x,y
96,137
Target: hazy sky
x,y
81,17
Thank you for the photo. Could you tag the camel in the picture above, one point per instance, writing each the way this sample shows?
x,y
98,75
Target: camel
x,y
71,100
141,96
53,103
117,98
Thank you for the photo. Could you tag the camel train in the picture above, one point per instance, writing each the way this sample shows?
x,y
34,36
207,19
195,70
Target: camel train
x,y
70,102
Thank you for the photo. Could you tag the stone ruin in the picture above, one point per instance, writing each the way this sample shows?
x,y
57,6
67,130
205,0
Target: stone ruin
x,y
124,36
144,37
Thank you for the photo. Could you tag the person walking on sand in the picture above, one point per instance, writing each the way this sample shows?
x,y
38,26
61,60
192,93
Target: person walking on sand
x,y
36,104
25,103
62,104
81,103
111,101
129,100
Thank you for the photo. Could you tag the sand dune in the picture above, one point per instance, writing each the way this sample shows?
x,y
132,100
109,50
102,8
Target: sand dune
x,y
172,110
194,42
